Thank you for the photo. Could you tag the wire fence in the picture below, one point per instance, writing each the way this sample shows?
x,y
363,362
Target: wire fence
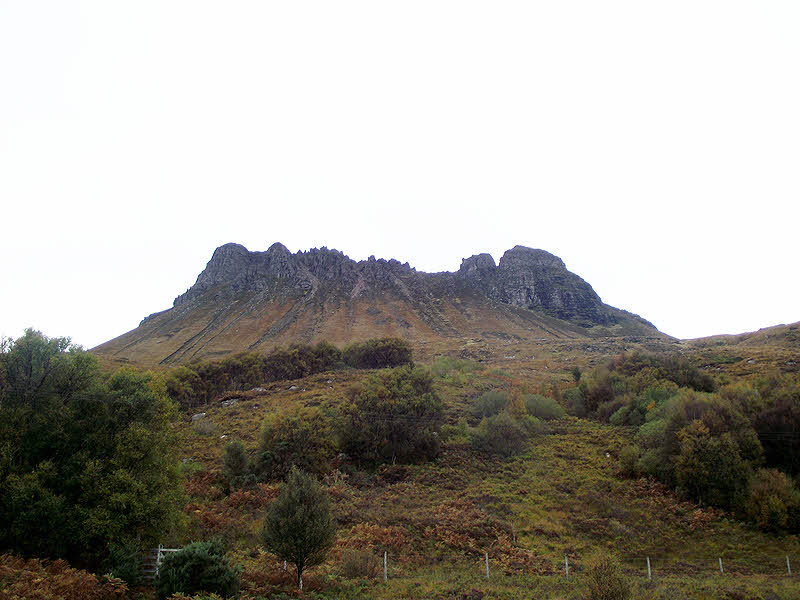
x,y
643,566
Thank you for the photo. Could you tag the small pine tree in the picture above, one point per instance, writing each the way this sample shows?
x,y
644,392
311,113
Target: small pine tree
x,y
235,466
298,527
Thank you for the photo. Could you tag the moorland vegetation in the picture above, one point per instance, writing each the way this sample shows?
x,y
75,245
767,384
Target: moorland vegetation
x,y
732,446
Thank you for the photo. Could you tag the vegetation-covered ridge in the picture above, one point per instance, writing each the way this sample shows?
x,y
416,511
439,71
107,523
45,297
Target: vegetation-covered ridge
x,y
200,381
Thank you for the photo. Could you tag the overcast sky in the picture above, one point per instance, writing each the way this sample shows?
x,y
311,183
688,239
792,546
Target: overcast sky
x,y
653,146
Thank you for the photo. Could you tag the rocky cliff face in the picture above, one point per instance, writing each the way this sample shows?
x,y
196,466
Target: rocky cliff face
x,y
525,278
535,279
256,300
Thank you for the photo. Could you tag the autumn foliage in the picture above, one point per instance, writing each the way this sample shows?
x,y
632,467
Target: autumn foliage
x,y
35,579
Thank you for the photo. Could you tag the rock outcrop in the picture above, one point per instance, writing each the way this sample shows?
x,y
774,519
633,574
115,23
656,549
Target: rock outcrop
x,y
525,278
536,280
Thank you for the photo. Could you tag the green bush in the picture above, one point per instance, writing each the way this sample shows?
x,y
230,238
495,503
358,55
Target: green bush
x,y
444,367
543,407
378,354
774,503
456,433
201,381
777,424
395,415
576,405
604,578
300,438
674,368
500,434
199,567
709,469
629,461
489,404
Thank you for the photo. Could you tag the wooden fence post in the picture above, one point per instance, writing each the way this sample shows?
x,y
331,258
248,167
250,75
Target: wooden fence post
x,y
486,556
720,565
566,565
649,573
385,566
788,566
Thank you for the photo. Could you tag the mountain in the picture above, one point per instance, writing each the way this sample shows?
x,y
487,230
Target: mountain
x,y
247,300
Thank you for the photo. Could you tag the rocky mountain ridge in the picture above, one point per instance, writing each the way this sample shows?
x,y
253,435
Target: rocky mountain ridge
x,y
246,300
525,278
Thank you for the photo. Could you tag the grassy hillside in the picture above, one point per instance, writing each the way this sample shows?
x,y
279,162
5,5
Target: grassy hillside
x,y
564,495
211,329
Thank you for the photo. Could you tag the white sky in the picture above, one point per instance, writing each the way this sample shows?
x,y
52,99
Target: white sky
x,y
654,146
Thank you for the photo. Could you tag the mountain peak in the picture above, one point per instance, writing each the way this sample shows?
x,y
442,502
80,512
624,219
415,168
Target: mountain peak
x,y
524,257
245,300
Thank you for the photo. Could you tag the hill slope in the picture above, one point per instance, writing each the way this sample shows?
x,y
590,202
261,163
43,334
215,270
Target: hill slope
x,y
563,496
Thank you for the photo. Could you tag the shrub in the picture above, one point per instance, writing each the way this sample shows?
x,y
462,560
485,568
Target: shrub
x,y
500,434
543,407
359,563
629,461
576,405
709,469
632,412
456,433
777,425
395,415
302,438
444,367
199,567
605,579
774,503
489,404
673,368
378,354
201,381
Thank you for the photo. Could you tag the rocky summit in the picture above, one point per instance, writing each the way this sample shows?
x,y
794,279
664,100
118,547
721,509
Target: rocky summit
x,y
247,300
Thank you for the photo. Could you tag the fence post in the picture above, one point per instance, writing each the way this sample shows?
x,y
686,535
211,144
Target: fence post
x,y
486,556
788,566
566,565
649,573
385,566
720,565
159,557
